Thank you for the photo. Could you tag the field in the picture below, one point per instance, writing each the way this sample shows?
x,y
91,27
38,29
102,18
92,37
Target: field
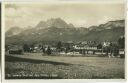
x,y
36,65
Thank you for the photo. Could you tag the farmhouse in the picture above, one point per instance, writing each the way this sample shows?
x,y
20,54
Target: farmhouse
x,y
15,49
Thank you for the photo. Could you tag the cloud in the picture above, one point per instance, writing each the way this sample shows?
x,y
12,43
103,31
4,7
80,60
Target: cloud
x,y
80,14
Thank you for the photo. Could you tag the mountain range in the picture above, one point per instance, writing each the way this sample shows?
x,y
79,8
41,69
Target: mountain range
x,y
56,29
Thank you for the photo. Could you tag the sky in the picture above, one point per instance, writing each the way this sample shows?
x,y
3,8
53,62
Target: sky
x,y
80,14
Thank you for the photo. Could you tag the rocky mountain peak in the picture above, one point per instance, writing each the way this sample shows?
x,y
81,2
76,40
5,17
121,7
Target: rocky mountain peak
x,y
54,22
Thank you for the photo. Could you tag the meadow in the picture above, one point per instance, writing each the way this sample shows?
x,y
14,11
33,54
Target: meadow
x,y
38,66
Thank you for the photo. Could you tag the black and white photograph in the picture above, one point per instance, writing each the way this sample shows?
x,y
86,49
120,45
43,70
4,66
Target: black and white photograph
x,y
64,40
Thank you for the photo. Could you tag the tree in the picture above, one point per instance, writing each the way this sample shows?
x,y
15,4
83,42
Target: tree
x,y
59,46
67,47
99,46
31,48
26,48
121,42
43,49
48,50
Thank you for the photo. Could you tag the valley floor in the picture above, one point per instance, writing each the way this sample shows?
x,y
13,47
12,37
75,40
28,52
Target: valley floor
x,y
36,65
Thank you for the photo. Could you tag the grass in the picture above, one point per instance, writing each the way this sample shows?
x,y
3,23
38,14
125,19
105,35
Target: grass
x,y
32,66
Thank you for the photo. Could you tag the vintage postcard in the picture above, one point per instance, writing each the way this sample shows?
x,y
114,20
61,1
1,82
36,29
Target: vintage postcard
x,y
63,40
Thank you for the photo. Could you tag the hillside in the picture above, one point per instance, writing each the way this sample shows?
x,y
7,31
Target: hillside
x,y
110,31
58,30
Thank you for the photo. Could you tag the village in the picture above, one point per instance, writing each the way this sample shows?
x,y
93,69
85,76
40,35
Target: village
x,y
110,49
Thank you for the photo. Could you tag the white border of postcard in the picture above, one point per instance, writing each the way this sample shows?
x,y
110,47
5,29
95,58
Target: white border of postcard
x,y
55,80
